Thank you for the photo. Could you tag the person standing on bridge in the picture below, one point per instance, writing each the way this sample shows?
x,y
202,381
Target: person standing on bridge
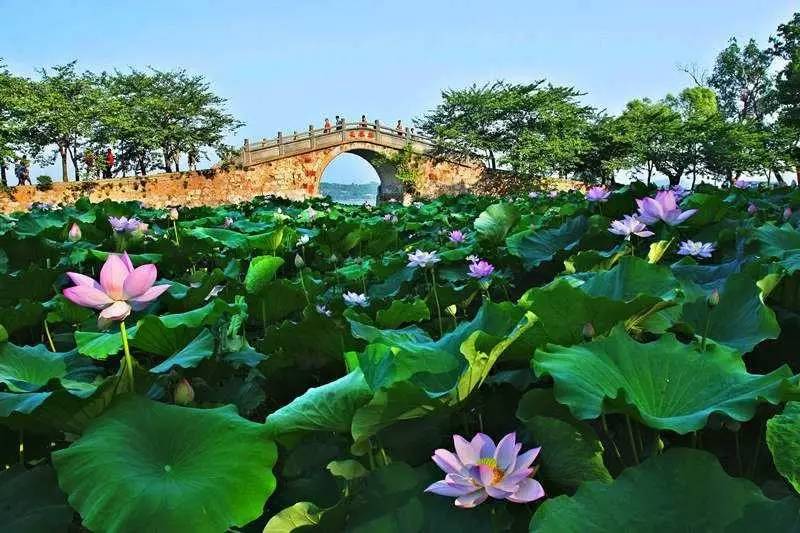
x,y
338,122
363,121
399,128
110,159
326,127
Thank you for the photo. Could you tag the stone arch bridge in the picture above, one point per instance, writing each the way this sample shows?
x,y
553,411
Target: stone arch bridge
x,y
297,161
290,166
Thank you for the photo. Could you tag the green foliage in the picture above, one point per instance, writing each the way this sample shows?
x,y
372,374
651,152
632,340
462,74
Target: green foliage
x,y
681,487
145,463
632,365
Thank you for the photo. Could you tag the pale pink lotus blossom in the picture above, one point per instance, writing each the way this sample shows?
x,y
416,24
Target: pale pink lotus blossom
x,y
598,193
124,224
630,225
478,469
480,269
122,288
787,213
456,236
663,207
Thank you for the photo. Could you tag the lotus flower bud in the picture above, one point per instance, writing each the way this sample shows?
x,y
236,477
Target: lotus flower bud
x,y
298,261
74,233
173,214
451,310
751,209
787,213
713,298
334,258
588,331
184,393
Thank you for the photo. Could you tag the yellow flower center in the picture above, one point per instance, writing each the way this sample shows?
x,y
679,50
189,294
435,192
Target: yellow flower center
x,y
491,462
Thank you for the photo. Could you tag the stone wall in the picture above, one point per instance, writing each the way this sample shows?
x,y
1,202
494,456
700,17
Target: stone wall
x,y
295,177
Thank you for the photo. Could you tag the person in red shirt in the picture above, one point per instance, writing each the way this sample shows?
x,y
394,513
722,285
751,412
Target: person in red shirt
x,y
110,159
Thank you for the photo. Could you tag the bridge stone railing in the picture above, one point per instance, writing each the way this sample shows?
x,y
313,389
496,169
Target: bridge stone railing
x,y
317,138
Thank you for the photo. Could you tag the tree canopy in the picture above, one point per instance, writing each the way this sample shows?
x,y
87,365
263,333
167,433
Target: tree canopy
x,y
149,119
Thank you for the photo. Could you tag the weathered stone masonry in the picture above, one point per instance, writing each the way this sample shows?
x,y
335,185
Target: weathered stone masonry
x,y
287,168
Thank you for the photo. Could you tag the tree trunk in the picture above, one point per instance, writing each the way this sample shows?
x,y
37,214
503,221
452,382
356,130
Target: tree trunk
x,y
74,157
778,176
3,178
62,150
649,172
167,160
492,161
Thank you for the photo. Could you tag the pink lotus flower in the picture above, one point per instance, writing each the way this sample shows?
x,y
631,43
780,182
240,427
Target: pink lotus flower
x,y
124,224
480,269
752,209
787,213
597,194
122,288
663,207
480,469
629,225
456,236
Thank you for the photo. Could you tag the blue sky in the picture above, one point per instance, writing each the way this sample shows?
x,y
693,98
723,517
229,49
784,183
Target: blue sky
x,y
284,65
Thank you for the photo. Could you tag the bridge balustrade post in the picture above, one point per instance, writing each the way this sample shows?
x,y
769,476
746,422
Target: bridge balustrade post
x,y
312,140
280,143
377,130
245,151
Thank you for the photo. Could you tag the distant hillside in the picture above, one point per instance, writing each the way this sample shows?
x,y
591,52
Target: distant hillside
x,y
350,193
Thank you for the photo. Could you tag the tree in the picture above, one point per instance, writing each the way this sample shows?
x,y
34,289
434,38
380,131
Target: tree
x,y
476,120
14,107
786,45
742,80
549,132
645,127
733,148
63,112
610,150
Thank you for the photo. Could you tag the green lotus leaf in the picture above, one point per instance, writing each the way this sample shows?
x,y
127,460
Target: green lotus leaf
x,y
31,502
144,463
402,312
493,224
665,384
136,259
202,347
29,368
261,271
535,247
782,243
225,237
300,516
740,320
783,439
571,452
681,490
21,402
633,278
329,407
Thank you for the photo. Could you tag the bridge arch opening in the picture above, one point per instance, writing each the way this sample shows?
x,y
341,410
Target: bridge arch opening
x,y
360,176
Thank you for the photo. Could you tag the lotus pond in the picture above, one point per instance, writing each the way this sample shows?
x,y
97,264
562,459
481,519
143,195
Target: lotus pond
x,y
608,361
